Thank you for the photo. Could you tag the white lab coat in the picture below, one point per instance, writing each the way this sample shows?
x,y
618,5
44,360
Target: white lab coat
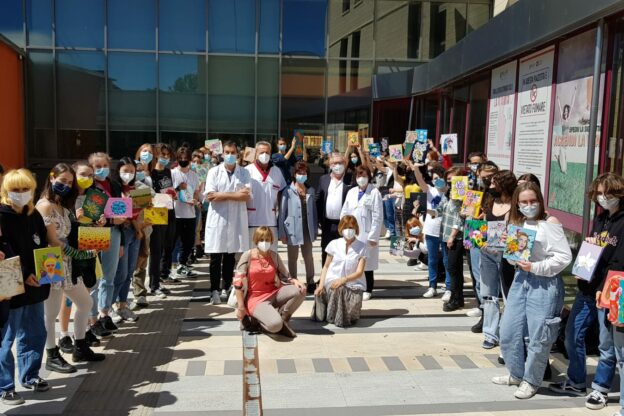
x,y
226,221
369,214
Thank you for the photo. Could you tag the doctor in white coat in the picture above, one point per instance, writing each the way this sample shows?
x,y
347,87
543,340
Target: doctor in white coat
x,y
228,188
364,202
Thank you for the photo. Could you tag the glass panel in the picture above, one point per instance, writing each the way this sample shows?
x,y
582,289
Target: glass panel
x,y
391,118
182,25
126,143
428,116
231,98
304,27
386,67
39,22
399,30
80,23
460,99
132,24
303,98
478,15
479,92
41,105
448,26
355,29
132,91
268,96
182,93
177,139
12,21
232,26
269,26
81,103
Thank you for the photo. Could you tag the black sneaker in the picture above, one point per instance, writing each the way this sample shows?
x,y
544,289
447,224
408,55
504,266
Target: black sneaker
x,y
66,344
451,306
165,290
84,353
108,324
596,400
91,339
501,360
11,398
564,387
38,384
488,345
412,262
311,288
478,327
98,330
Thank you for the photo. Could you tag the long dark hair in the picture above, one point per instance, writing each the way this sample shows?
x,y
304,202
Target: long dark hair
x,y
116,174
505,182
68,200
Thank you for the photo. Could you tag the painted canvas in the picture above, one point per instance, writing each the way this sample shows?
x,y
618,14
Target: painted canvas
x,y
49,265
408,149
421,147
202,171
475,233
94,204
156,216
374,150
384,144
118,208
396,152
397,245
421,197
353,138
299,136
410,136
448,143
250,154
421,135
586,261
214,145
141,198
459,187
519,243
611,296
472,204
94,238
366,142
185,195
162,201
11,279
327,147
495,232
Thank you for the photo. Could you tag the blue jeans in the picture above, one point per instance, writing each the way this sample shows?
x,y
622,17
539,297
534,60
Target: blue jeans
x,y
475,260
26,325
102,292
533,307
433,257
490,288
618,341
126,266
388,212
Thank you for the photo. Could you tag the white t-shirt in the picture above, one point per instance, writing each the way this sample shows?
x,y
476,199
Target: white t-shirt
x,y
262,207
432,225
333,205
345,262
190,178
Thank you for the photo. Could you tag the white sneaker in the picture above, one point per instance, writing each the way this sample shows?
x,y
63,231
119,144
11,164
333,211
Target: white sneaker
x,y
431,292
216,299
507,380
474,313
446,296
367,296
141,302
116,317
224,294
525,391
387,234
421,266
127,315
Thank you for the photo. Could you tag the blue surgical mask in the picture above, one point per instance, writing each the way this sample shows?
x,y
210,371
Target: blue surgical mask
x,y
140,176
415,231
301,178
529,211
164,162
281,147
439,183
146,157
101,173
229,159
354,160
193,166
206,157
60,188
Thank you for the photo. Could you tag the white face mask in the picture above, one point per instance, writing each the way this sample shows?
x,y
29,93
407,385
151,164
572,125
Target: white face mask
x,y
529,211
20,199
362,181
608,203
126,177
264,246
338,168
348,233
264,158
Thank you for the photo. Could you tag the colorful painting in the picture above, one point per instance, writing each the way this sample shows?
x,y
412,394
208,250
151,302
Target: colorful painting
x,y
586,261
366,142
141,198
214,145
410,136
250,154
374,150
327,147
519,243
459,187
397,245
162,201
49,265
299,136
156,216
611,296
94,204
118,208
472,204
449,144
475,233
94,238
384,144
421,147
408,149
421,135
11,279
202,171
396,152
185,195
495,232
353,138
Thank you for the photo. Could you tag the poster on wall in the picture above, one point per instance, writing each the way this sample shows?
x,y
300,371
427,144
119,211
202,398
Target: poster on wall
x,y
533,113
501,114
570,132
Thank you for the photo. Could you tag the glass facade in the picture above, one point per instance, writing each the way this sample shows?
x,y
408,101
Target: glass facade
x,y
112,74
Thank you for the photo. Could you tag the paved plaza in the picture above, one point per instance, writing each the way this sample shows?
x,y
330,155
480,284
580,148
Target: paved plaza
x,y
404,357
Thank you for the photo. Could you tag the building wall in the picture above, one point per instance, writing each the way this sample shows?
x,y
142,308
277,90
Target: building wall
x,y
11,108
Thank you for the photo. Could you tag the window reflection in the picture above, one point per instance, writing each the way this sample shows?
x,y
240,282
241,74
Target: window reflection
x,y
268,97
80,23
39,22
11,22
132,24
231,99
351,34
182,25
41,105
269,30
304,27
232,26
448,26
479,92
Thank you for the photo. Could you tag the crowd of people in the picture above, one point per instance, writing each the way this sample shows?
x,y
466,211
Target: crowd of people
x,y
237,213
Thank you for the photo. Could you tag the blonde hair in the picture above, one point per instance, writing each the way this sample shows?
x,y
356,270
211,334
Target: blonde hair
x,y
262,234
18,179
348,221
98,155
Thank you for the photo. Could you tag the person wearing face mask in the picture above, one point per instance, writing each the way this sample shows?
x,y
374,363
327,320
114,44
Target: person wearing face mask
x,y
228,188
298,223
364,202
267,184
536,296
140,271
264,289
23,230
607,191
200,212
332,191
102,294
355,158
285,158
475,159
416,239
338,297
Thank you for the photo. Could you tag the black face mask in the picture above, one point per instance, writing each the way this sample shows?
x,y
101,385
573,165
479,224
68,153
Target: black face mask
x,y
494,192
183,163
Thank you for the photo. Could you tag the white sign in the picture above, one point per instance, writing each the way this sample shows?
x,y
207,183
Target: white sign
x,y
501,114
449,144
533,113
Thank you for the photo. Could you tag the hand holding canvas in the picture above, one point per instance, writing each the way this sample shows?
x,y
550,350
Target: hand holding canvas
x,y
32,281
524,265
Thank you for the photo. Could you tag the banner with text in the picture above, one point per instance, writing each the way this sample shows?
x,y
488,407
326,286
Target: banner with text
x,y
501,114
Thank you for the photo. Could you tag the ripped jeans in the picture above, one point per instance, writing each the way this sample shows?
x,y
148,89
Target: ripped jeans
x,y
490,290
533,307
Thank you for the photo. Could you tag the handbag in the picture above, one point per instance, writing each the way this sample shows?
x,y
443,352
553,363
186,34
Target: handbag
x,y
319,309
232,300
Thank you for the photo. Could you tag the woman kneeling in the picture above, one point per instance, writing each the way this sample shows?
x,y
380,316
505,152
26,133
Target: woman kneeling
x,y
342,279
264,289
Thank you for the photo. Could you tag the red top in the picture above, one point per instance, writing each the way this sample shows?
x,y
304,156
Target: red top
x,y
447,161
104,186
260,281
